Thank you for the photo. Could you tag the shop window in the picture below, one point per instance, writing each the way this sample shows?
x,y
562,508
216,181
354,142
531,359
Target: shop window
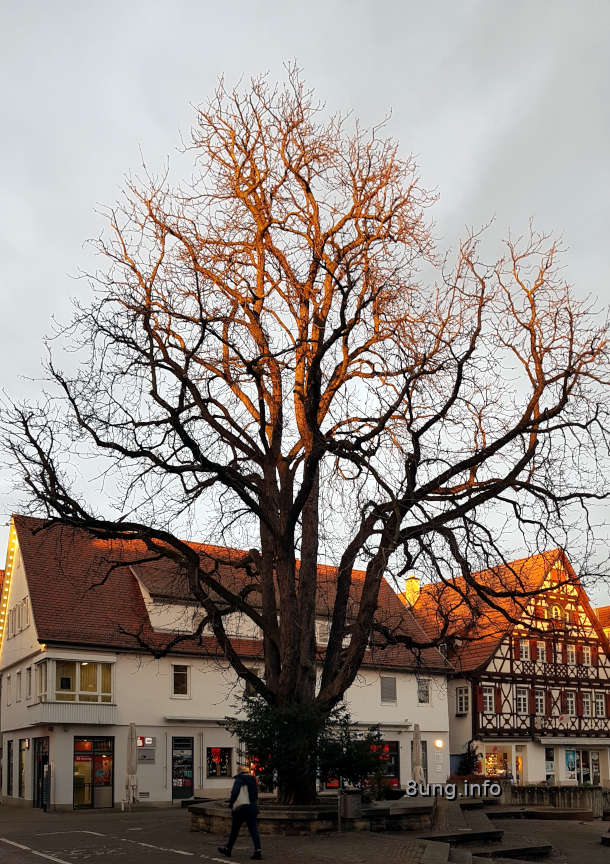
x,y
388,688
524,649
600,705
549,764
572,655
586,655
24,744
9,768
540,697
423,691
461,700
180,681
595,773
521,699
570,703
488,700
586,704
65,680
219,762
496,764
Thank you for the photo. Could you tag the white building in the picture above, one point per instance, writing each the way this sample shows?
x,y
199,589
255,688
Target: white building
x,y
532,697
75,680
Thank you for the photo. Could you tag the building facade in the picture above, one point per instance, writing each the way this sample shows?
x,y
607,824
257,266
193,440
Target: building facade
x,y
82,701
532,697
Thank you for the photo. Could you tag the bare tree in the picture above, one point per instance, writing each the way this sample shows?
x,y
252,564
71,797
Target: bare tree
x,y
262,342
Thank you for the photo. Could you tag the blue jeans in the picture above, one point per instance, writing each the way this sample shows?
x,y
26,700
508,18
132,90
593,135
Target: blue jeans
x,y
246,813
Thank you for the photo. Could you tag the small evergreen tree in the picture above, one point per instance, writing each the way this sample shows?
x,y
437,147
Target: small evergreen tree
x,y
300,741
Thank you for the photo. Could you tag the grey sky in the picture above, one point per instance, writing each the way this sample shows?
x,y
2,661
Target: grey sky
x,y
506,105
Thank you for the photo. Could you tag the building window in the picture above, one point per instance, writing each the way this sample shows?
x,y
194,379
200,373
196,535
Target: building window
x,y
423,691
540,697
586,704
524,646
586,655
461,700
540,652
488,700
28,683
8,689
600,705
180,681
388,689
65,681
556,612
521,697
570,703
219,761
572,655
41,681
18,687
322,632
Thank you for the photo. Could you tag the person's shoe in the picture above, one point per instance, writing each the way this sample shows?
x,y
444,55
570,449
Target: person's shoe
x,y
258,855
224,850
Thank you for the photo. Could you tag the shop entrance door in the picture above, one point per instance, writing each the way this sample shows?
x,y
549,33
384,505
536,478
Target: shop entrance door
x,y
93,772
40,795
182,768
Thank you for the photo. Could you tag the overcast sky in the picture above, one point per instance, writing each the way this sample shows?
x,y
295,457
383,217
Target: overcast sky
x,y
506,106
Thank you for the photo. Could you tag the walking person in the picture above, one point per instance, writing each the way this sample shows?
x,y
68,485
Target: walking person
x,y
244,796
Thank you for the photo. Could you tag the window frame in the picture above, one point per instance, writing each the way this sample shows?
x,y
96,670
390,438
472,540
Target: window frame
x,y
522,701
600,702
587,655
425,683
570,703
173,694
571,654
383,701
524,649
462,694
587,703
489,692
540,701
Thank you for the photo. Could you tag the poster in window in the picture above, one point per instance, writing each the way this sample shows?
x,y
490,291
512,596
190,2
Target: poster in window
x,y
219,761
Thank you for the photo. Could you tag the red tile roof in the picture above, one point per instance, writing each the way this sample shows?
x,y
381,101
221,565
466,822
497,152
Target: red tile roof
x,y
603,615
455,607
84,590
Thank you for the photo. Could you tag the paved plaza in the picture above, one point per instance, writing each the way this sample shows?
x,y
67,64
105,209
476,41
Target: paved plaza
x,y
163,837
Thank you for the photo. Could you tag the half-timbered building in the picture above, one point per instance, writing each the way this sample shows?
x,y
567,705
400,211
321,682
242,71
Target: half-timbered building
x,y
531,689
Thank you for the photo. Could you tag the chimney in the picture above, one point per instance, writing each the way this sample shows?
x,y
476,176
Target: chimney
x,y
410,595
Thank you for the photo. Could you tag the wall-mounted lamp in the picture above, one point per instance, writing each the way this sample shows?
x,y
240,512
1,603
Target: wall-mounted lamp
x,y
439,743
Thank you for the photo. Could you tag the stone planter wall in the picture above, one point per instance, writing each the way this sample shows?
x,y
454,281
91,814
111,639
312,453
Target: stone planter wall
x,y
216,819
563,797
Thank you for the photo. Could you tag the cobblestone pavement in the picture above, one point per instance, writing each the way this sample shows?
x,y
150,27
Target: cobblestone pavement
x,y
163,837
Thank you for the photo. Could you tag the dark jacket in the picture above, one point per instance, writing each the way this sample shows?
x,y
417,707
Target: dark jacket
x,y
244,780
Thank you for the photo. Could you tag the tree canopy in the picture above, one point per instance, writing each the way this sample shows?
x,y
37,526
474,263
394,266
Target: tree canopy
x,y
277,342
